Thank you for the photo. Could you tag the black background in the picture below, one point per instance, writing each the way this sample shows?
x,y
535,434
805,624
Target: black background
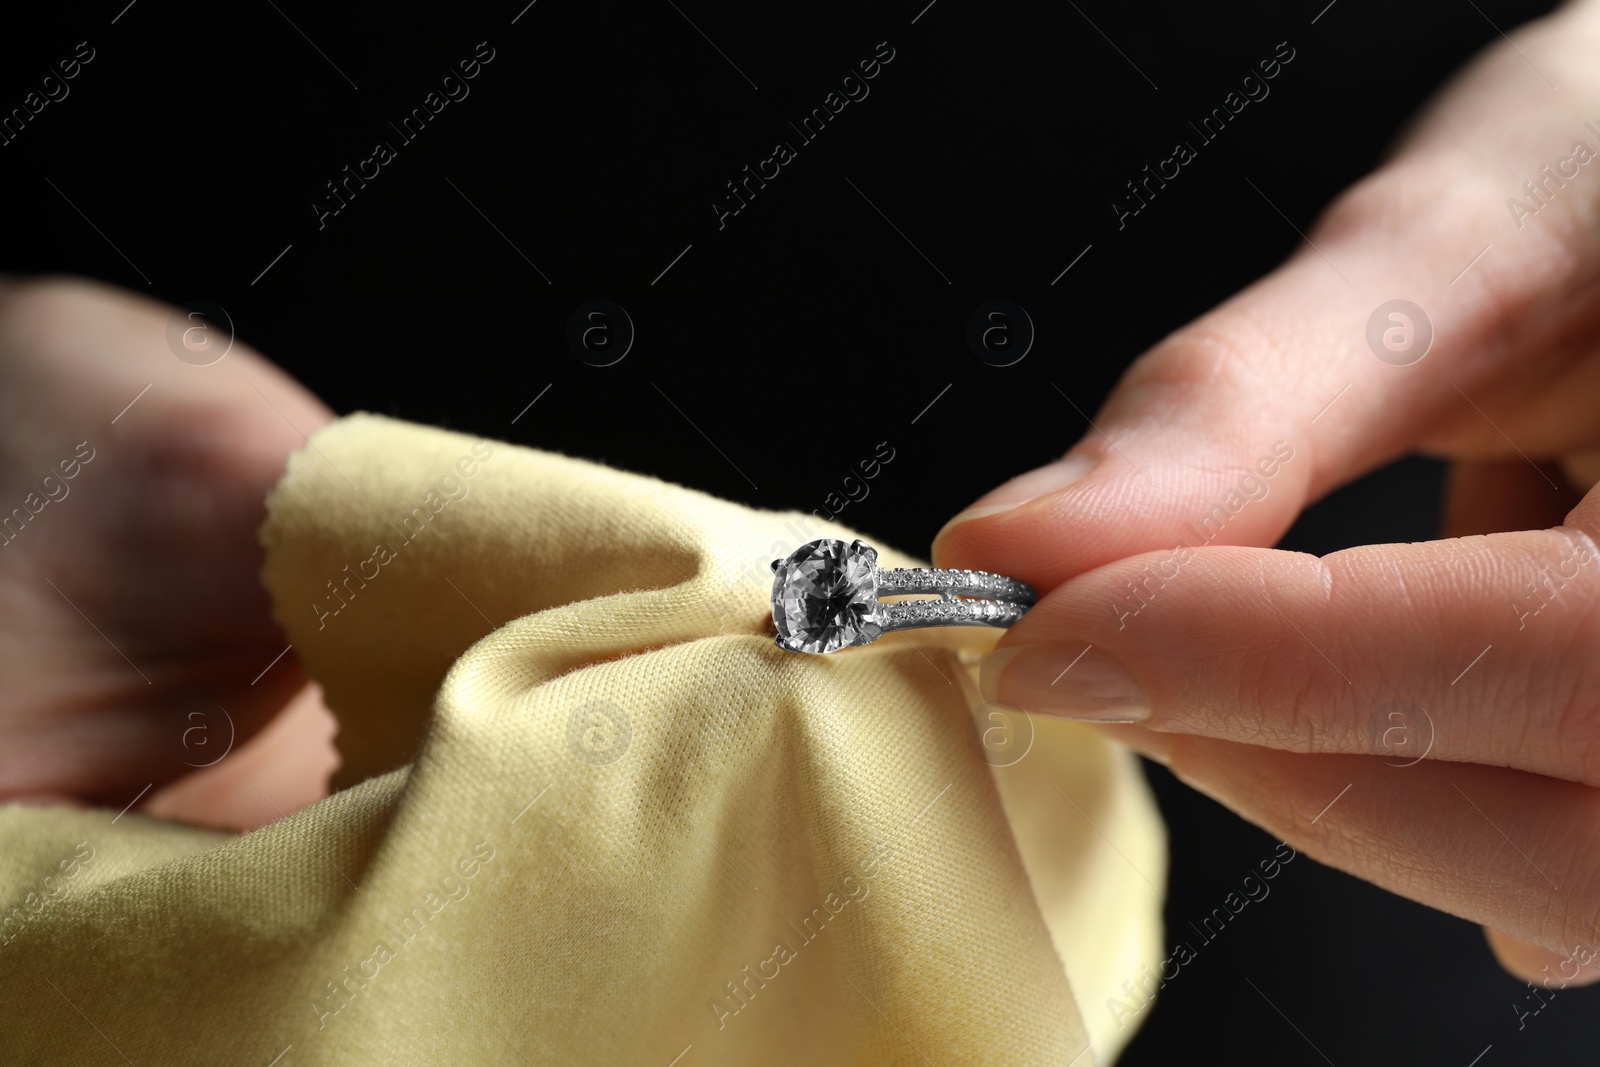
x,y
779,348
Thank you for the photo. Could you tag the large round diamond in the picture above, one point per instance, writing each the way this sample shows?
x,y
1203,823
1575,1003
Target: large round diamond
x,y
825,596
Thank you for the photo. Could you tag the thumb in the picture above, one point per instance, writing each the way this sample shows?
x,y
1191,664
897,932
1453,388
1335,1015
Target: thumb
x,y
1314,375
1228,427
1218,435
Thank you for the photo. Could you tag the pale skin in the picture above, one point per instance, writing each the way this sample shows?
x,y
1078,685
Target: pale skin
x,y
1261,675
149,554
1266,678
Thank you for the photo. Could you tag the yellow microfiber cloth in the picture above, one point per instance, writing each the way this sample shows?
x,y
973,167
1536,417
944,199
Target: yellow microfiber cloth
x,y
589,814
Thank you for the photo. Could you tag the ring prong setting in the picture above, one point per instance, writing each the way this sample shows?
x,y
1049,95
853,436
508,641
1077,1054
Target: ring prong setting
x,y
825,597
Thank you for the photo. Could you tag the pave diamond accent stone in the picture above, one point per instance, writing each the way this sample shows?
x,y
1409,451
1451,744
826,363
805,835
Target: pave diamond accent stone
x,y
914,580
825,596
910,614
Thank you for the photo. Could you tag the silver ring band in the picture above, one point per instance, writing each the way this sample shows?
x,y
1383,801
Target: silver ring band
x,y
825,597
953,583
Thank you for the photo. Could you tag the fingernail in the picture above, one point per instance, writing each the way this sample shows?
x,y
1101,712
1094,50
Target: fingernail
x,y
1067,680
1030,486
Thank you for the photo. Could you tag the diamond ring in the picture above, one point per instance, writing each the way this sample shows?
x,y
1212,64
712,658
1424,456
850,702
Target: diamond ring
x,y
825,597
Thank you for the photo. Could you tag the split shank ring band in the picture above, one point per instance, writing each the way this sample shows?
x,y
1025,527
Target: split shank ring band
x,y
825,597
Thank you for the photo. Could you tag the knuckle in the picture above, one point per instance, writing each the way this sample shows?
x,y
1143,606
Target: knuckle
x,y
1221,352
1388,197
42,297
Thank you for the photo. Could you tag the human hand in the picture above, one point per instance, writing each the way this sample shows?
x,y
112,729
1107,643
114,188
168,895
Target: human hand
x,y
132,486
1269,679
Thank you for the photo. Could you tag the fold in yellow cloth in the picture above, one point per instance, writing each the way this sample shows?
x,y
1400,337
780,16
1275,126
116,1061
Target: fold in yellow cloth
x,y
589,814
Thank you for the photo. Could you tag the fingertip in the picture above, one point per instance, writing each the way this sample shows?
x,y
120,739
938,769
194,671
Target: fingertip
x,y
966,538
1064,677
985,539
1030,485
1535,963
